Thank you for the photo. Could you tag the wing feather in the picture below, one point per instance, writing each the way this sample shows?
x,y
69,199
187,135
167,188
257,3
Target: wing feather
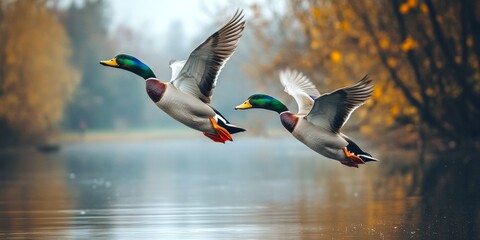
x,y
300,88
176,66
332,110
199,75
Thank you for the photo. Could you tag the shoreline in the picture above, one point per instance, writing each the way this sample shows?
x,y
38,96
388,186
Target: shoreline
x,y
136,135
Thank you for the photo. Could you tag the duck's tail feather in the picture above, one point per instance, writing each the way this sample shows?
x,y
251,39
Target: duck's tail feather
x,y
232,129
223,122
355,149
366,158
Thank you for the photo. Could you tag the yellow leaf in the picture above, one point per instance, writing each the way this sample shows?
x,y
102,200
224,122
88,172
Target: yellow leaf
x,y
384,43
395,110
392,62
345,25
408,44
410,110
316,12
404,8
412,3
377,94
430,92
335,56
337,25
424,8
315,44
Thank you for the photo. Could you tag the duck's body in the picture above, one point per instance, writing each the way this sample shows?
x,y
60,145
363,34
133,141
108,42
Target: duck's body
x,y
320,117
186,97
324,142
183,107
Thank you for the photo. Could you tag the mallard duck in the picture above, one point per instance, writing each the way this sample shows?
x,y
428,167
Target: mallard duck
x,y
320,117
186,97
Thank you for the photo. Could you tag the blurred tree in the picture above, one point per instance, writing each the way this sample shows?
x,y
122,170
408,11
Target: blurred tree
x,y
423,56
36,78
101,101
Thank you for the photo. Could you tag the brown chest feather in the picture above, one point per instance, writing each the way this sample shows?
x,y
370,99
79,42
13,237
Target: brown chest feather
x,y
289,120
155,89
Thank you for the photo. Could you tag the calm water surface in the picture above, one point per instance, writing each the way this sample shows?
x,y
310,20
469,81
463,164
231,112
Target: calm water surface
x,y
195,189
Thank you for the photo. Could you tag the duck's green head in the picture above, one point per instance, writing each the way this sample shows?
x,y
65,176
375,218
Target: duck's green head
x,y
131,64
262,101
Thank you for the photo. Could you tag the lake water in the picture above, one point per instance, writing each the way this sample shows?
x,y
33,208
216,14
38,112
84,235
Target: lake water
x,y
254,188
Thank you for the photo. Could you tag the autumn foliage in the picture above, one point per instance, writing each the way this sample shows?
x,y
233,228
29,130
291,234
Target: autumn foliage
x,y
36,78
423,56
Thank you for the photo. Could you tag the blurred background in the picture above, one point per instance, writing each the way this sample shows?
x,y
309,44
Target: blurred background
x,y
85,153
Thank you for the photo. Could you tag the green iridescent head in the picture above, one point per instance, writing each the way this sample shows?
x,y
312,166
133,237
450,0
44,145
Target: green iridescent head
x,y
131,64
263,101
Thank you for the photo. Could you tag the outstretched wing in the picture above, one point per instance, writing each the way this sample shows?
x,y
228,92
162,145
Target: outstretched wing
x,y
299,87
199,74
332,110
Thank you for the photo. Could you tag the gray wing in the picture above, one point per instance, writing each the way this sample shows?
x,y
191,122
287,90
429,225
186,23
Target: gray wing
x,y
299,87
199,74
332,110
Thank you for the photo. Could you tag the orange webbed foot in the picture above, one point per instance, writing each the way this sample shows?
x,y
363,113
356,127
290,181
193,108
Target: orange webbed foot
x,y
214,137
222,134
355,160
349,164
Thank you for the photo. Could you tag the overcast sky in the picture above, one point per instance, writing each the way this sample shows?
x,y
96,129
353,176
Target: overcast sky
x,y
157,15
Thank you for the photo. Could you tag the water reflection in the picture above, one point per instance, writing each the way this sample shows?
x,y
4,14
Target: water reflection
x,y
34,197
193,189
